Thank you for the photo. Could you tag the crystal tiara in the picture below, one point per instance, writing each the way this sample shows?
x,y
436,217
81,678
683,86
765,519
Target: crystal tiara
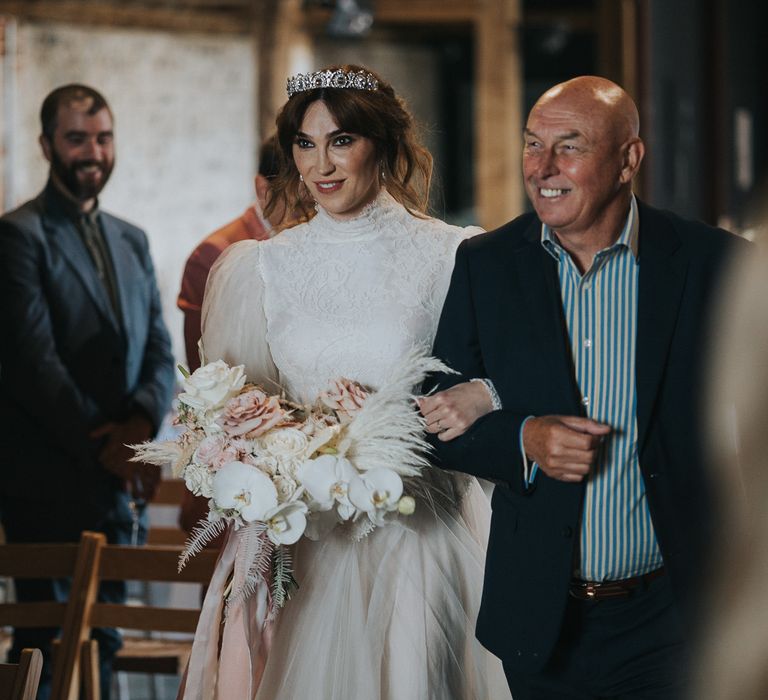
x,y
360,80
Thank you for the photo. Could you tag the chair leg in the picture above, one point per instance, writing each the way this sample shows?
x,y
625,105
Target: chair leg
x,y
89,661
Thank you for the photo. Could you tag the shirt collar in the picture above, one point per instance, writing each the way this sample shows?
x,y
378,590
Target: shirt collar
x,y
67,207
628,238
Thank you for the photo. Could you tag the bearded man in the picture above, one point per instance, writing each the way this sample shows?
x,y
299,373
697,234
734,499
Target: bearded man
x,y
86,359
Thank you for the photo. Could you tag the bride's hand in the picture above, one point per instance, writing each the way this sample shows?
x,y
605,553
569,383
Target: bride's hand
x,y
450,413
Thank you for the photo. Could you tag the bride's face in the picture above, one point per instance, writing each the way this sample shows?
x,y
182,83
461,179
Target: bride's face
x,y
339,169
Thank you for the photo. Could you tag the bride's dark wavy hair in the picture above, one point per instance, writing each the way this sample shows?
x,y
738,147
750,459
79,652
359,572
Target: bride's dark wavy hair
x,y
379,115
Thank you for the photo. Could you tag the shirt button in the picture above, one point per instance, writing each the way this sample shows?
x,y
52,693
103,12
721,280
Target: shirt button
x,y
567,531
587,343
585,401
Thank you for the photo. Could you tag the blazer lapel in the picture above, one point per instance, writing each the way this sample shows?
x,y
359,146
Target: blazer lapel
x,y
663,268
67,239
538,276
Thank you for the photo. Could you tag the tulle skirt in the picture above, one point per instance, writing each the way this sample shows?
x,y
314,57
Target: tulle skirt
x,y
391,616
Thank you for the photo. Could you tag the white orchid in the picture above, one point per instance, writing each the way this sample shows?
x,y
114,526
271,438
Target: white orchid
x,y
244,489
286,523
376,492
326,479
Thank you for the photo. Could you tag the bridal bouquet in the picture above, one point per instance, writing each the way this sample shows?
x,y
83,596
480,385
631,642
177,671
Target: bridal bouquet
x,y
279,470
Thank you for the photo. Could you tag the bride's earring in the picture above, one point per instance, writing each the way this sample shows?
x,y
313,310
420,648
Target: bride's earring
x,y
381,170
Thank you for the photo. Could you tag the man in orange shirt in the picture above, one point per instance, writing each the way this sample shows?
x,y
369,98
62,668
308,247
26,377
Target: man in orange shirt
x,y
251,224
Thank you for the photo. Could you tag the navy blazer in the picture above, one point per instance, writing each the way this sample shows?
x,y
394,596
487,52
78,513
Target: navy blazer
x,y
68,365
503,319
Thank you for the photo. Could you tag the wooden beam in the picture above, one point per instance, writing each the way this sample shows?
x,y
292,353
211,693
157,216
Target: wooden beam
x,y
407,12
426,11
284,48
610,40
499,193
115,14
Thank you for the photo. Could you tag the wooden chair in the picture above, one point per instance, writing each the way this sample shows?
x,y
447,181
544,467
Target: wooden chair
x,y
153,655
20,681
169,495
38,561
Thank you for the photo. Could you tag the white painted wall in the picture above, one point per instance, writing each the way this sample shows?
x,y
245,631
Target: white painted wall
x,y
185,130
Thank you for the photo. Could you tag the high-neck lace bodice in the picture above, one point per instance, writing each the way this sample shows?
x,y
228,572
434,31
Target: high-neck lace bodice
x,y
332,298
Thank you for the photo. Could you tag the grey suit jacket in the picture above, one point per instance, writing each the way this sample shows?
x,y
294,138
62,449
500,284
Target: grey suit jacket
x,y
67,365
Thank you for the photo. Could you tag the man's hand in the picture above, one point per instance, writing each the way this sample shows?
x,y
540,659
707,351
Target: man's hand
x,y
564,447
140,479
451,412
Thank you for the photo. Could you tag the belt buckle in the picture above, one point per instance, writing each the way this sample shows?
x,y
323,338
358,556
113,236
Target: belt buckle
x,y
591,590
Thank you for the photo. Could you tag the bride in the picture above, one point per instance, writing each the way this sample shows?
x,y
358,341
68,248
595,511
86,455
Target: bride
x,y
348,294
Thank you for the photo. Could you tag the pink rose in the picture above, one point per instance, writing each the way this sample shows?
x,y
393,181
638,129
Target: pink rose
x,y
227,455
209,449
345,397
251,414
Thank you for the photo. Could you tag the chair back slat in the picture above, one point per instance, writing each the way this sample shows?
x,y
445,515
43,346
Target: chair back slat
x,y
38,560
144,618
43,614
154,563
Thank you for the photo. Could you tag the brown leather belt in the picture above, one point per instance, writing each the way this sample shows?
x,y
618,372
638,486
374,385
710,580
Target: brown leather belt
x,y
599,590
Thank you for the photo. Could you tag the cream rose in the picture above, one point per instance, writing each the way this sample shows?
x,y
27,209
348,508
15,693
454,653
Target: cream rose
x,y
286,488
266,463
209,387
286,443
198,480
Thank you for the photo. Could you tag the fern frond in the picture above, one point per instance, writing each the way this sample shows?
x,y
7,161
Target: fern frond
x,y
283,582
204,532
252,563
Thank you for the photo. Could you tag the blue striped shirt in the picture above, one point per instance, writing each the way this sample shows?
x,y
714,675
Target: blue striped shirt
x,y
600,307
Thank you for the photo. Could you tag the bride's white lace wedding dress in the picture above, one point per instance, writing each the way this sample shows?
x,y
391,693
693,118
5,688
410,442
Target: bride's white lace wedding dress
x,y
390,616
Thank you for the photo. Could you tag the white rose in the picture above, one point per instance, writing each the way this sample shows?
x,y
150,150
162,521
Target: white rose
x,y
266,463
206,488
198,480
212,385
286,444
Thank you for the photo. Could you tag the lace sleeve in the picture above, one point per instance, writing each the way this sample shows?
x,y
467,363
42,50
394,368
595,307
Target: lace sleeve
x,y
234,323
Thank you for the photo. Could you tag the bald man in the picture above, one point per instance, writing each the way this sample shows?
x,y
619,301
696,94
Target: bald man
x,y
587,322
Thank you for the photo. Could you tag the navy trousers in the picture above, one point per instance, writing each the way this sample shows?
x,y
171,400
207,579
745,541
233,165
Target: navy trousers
x,y
630,648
